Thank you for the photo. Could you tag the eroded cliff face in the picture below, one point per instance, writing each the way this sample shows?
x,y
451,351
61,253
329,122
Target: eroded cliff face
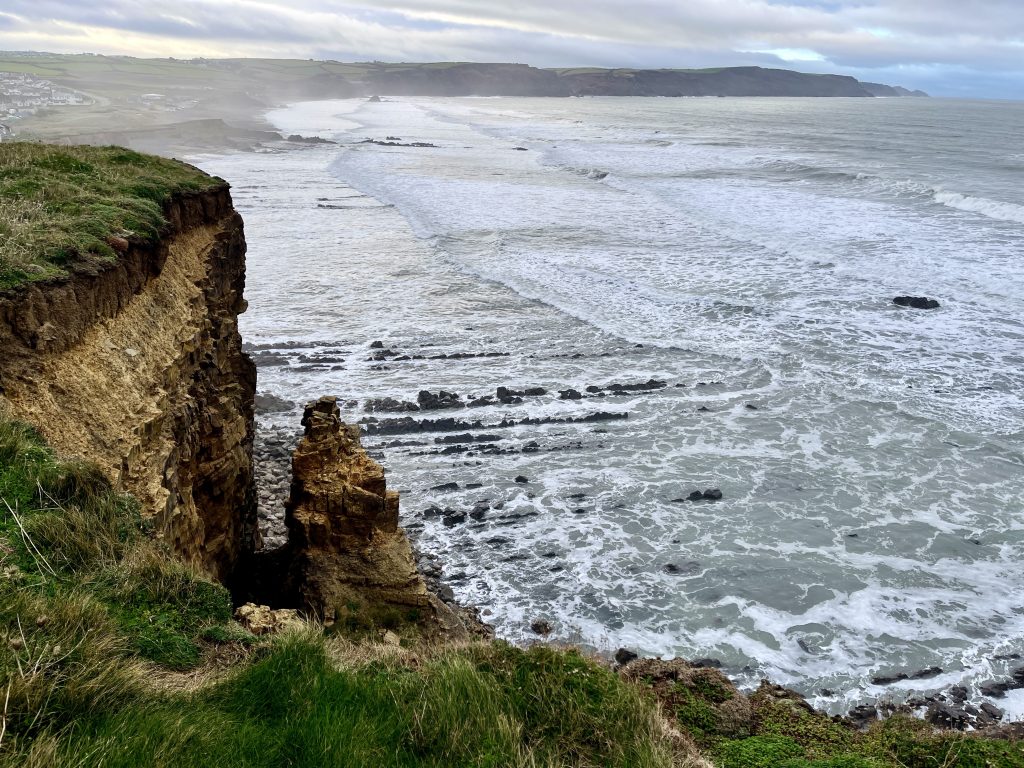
x,y
346,553
138,366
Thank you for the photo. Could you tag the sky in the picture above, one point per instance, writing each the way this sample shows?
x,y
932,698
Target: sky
x,y
969,48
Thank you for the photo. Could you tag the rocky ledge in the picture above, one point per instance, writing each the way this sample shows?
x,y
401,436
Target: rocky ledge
x,y
346,556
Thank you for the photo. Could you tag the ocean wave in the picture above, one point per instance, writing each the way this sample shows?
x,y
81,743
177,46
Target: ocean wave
x,y
993,209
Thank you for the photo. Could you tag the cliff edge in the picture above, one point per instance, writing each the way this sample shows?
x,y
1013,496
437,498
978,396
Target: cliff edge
x,y
132,359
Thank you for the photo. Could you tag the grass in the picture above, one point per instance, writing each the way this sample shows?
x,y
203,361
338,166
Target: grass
x,y
113,653
61,206
93,610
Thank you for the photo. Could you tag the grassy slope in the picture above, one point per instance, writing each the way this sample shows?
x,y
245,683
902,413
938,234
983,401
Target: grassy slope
x,y
59,205
93,610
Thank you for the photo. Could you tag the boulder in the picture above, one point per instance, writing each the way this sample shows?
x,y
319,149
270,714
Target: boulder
x,y
263,620
916,302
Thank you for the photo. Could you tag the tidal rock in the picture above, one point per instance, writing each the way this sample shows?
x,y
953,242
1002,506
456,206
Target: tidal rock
x,y
706,663
570,394
541,627
916,302
624,656
862,716
267,403
428,401
712,494
695,496
992,711
947,716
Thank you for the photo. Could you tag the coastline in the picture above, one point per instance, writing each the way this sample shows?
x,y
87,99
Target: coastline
x,y
950,710
880,669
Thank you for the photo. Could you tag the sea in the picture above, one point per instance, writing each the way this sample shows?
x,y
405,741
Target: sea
x,y
703,289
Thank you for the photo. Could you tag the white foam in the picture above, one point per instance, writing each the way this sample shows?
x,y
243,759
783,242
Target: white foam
x,y
993,209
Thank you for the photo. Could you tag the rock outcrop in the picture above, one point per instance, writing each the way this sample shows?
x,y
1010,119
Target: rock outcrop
x,y
346,556
136,364
343,523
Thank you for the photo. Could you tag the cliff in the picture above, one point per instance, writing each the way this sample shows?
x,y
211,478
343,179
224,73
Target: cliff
x,y
346,558
135,363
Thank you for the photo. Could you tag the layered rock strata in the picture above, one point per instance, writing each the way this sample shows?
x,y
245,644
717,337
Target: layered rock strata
x,y
137,365
346,553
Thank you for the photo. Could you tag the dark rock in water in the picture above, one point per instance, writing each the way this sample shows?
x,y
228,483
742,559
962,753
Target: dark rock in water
x,y
569,394
862,716
480,402
266,403
925,674
624,656
751,407
535,391
695,496
712,494
994,690
541,627
958,693
671,568
703,409
522,479
389,404
947,716
593,390
889,679
531,447
374,100
520,149
706,664
446,487
916,302
453,520
479,512
428,401
298,139
376,345
992,711
504,393
644,386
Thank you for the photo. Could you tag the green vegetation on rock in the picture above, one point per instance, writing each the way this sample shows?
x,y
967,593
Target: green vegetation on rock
x,y
61,205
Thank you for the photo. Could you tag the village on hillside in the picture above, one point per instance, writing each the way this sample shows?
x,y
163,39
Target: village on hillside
x,y
22,95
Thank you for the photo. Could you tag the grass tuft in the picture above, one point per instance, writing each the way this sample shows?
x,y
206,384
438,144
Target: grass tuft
x,y
61,205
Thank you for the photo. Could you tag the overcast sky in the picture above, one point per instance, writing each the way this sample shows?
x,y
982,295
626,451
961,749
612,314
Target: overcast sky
x,y
947,47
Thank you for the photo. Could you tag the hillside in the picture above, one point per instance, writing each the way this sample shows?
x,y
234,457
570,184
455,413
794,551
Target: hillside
x,y
166,104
